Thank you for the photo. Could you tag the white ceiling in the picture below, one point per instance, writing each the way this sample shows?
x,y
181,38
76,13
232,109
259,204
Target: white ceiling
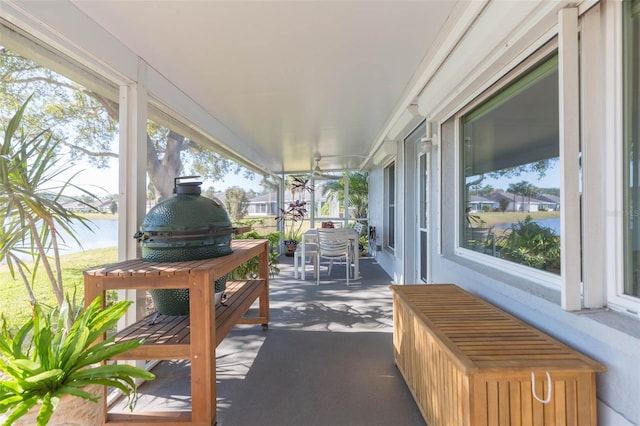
x,y
291,77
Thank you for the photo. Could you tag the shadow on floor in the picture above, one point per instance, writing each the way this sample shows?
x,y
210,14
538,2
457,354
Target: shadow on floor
x,y
327,359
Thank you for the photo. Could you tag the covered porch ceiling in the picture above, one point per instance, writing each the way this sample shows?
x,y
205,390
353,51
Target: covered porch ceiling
x,y
289,78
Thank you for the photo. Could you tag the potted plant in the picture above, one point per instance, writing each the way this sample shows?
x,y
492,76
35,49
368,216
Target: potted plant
x,y
293,215
56,356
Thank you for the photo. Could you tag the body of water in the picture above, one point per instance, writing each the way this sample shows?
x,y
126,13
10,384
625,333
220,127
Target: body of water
x,y
103,233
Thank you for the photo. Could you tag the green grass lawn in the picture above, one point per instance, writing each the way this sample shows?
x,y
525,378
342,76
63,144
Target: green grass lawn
x,y
496,218
14,301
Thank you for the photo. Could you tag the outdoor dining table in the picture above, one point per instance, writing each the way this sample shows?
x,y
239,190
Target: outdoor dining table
x,y
311,236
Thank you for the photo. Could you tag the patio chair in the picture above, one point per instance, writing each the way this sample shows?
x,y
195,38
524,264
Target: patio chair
x,y
358,226
333,244
310,251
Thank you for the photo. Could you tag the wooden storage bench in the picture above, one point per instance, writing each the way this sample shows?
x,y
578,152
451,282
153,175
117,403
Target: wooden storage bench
x,y
193,337
468,362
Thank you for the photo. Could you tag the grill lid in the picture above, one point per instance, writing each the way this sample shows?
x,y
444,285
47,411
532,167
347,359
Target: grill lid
x,y
187,213
186,220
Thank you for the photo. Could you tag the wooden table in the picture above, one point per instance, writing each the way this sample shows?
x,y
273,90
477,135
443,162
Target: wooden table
x,y
468,362
193,337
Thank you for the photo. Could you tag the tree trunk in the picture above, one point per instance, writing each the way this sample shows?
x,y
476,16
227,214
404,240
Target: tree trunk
x,y
163,171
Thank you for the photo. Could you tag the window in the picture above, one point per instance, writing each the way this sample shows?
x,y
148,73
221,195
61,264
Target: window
x,y
510,176
631,79
80,112
390,203
423,221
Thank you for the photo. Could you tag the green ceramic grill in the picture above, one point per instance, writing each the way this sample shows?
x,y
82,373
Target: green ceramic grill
x,y
184,227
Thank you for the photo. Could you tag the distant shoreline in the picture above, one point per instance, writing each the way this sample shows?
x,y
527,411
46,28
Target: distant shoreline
x,y
99,216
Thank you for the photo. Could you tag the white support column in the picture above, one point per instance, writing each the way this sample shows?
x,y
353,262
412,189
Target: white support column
x,y
569,93
345,176
313,207
281,199
133,160
593,204
133,177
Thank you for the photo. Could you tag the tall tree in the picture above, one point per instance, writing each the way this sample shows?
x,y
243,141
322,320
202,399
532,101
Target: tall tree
x,y
236,202
515,189
504,204
358,192
524,189
486,190
530,191
86,121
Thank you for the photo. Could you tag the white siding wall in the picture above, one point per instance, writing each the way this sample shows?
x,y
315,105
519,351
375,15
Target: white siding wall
x,y
610,337
377,210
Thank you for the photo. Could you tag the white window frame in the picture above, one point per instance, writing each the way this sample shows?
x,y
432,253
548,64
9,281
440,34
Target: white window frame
x,y
541,277
390,221
614,162
593,151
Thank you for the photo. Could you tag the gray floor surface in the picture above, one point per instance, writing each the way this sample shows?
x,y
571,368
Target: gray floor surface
x,y
327,359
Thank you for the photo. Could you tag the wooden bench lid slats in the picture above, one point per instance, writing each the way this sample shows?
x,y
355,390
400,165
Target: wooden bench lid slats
x,y
505,346
480,335
525,367
499,348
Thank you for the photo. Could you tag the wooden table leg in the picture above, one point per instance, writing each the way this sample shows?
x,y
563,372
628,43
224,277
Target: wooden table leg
x,y
263,274
203,352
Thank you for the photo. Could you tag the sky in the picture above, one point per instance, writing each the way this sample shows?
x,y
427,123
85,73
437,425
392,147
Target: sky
x,y
105,181
550,180
93,179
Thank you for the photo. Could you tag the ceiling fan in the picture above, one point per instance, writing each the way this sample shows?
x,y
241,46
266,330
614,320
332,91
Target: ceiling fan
x,y
317,173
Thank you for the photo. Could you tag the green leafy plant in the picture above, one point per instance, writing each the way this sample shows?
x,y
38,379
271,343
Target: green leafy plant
x,y
358,192
249,270
531,244
47,358
293,215
33,216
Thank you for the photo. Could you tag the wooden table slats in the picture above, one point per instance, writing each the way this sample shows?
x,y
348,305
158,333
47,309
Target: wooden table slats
x,y
192,337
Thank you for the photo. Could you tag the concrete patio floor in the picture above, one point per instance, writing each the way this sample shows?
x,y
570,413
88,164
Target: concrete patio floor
x,y
326,359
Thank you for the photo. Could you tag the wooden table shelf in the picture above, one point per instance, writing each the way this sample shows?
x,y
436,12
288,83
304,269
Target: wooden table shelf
x,y
192,337
169,337
468,362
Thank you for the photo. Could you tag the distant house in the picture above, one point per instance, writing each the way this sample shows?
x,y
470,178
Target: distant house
x,y
108,206
478,203
515,201
267,204
263,205
550,202
526,204
76,206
